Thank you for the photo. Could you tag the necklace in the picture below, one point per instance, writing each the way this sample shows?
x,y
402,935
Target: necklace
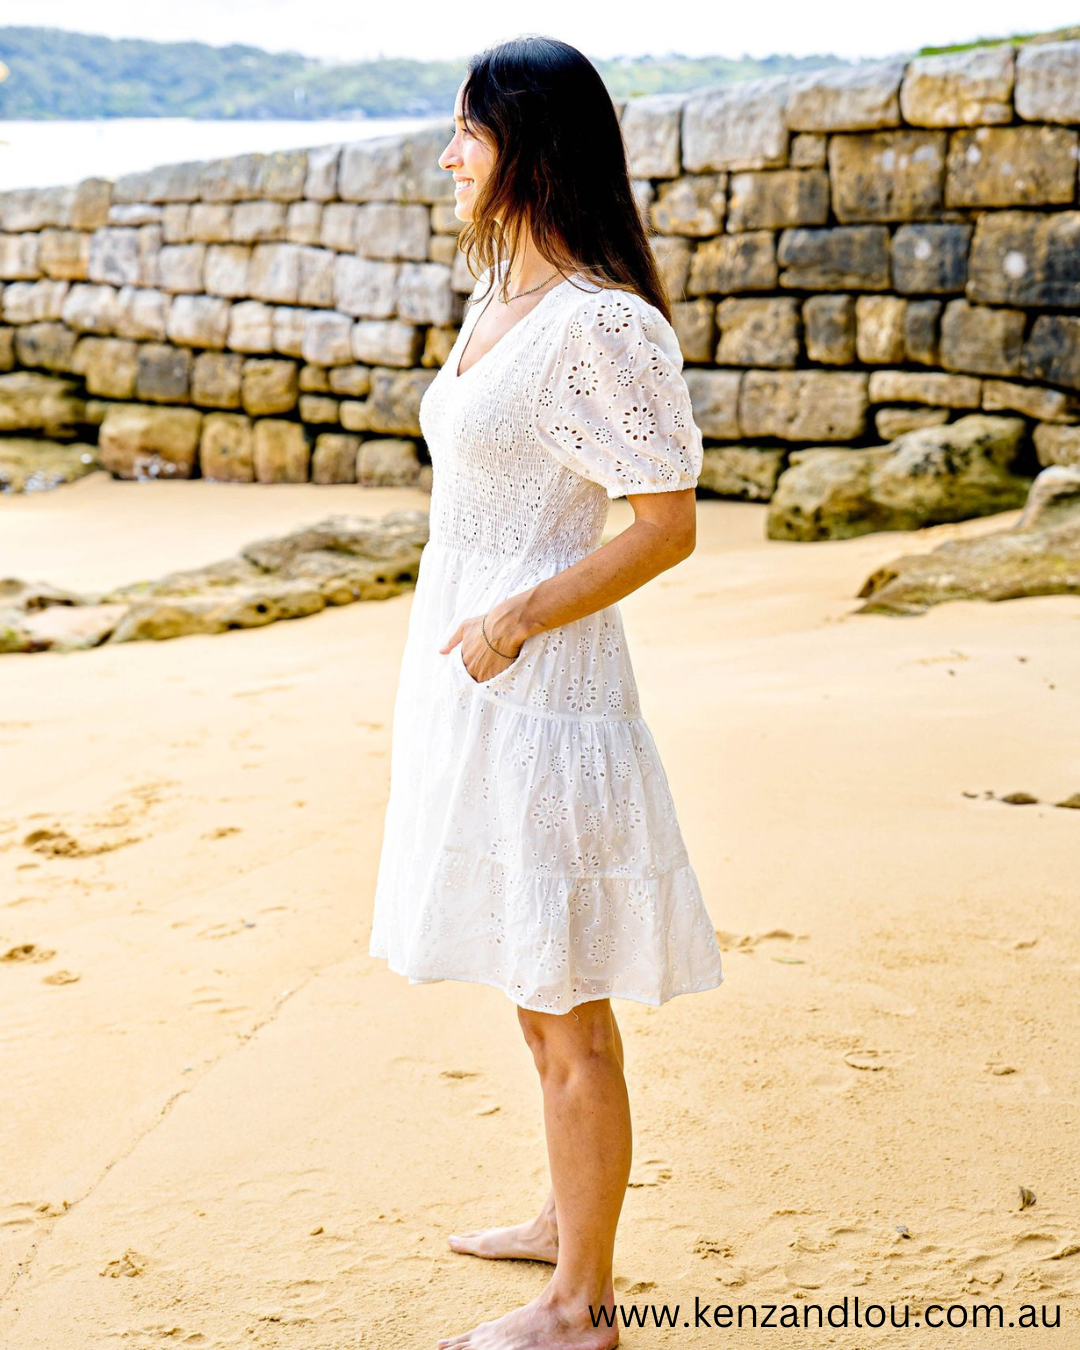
x,y
521,293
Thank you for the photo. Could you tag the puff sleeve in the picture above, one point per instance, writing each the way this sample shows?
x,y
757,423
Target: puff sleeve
x,y
611,402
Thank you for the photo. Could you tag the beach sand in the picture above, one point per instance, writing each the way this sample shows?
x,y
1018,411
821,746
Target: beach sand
x,y
236,1129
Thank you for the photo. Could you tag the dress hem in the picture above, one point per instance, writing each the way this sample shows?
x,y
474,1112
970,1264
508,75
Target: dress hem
x,y
711,983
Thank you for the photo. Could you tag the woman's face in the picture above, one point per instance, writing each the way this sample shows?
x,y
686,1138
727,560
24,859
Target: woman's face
x,y
469,158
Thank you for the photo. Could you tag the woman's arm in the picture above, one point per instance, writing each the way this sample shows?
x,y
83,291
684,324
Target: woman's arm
x,y
663,534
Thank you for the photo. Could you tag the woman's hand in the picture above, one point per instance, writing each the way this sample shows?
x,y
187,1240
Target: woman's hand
x,y
476,656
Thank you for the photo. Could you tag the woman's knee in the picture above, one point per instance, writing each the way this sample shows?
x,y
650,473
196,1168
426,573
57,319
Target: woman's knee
x,y
566,1039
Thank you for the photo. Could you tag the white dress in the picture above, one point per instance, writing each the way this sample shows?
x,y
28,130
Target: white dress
x,y
530,840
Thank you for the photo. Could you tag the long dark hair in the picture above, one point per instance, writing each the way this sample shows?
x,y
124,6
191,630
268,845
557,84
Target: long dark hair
x,y
560,169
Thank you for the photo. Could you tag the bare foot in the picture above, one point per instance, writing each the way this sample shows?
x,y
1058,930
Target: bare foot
x,y
544,1324
537,1240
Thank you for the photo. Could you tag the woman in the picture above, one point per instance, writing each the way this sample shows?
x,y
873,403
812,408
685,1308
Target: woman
x,y
531,842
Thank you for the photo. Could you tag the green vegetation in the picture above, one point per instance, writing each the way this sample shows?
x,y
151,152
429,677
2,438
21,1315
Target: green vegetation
x,y
1058,35
55,74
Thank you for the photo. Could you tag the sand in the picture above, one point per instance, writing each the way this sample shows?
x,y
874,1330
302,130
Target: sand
x,y
233,1128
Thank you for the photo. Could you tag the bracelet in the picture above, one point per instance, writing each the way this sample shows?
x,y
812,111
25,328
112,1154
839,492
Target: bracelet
x,y
505,655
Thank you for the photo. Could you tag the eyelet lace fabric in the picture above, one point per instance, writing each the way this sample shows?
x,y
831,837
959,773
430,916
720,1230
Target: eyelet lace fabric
x,y
530,839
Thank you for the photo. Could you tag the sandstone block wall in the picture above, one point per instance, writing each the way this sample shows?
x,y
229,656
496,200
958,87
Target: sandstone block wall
x,y
851,253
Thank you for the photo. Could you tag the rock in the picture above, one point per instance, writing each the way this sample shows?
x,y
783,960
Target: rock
x,y
887,175
328,339
922,319
164,373
268,387
981,339
392,231
91,309
34,466
714,395
736,126
274,273
394,403
745,472
319,410
860,97
334,460
650,129
34,301
929,476
90,204
251,327
387,463
1011,166
226,448
140,314
1039,555
385,342
930,258
775,198
316,276
758,332
672,255
45,346
1048,82
1057,444
216,379
959,89
227,270
314,380
181,268
208,223
109,366
303,222
114,256
282,453
338,230
690,206
1044,405
258,222
198,321
892,423
734,262
1026,258
283,174
30,401
803,405
423,294
829,325
879,328
19,257
365,288
137,441
65,254
1052,350
851,257
941,391
322,174
694,322
371,170
352,381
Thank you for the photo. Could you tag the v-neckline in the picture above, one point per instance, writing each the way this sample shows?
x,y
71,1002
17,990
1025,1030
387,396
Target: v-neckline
x,y
460,374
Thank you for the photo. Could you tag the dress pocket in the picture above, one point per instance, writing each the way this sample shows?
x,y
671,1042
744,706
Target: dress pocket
x,y
463,670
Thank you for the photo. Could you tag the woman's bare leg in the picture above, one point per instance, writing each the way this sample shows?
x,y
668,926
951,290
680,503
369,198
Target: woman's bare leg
x,y
587,1121
535,1240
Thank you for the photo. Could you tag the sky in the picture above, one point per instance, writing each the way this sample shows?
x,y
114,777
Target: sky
x,y
352,30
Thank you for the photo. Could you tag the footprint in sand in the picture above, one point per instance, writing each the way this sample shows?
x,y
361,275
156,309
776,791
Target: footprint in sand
x,y
749,942
631,1289
28,951
222,832
650,1172
130,1264
458,1074
712,1247
62,977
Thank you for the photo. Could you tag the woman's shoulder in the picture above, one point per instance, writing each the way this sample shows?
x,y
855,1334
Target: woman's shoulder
x,y
616,312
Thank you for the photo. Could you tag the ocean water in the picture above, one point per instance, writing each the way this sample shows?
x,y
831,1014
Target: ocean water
x,y
41,154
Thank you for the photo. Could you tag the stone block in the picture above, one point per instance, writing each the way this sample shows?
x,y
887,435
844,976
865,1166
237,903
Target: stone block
x,y
1012,166
371,170
251,327
921,328
1057,445
33,301
19,257
282,175
941,391
672,254
290,325
693,206
198,321
164,374
851,257
392,231
930,258
230,180
860,97
694,322
421,180
44,346
738,126
959,89
1052,351
30,401
1026,259
385,342
353,415
210,223
394,403
758,332
887,175
339,226
1043,405
980,339
387,463
808,150
714,396
109,367
258,222
334,460
141,314
268,387
879,329
303,222
650,131
175,223
26,209
319,410
64,254
1048,82
282,453
180,268
137,441
744,472
165,183
803,405
91,309
350,381
227,448
215,379
734,262
365,288
135,213
775,198
316,276
90,204
320,185
227,270
150,241
327,339
274,273
829,327
423,294
893,422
